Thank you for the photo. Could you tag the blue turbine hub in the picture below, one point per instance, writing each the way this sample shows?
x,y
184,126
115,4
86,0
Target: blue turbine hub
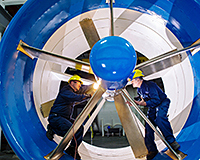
x,y
113,59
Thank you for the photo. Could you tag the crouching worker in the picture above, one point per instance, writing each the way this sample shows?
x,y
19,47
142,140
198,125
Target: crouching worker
x,y
158,104
60,117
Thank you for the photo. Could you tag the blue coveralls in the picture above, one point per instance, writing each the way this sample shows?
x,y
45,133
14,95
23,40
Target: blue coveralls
x,y
158,105
60,115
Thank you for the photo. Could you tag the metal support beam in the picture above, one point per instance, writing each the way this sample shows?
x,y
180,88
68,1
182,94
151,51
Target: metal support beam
x,y
111,18
13,2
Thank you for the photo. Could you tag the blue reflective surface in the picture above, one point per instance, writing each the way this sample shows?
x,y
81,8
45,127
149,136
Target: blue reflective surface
x,y
113,59
35,22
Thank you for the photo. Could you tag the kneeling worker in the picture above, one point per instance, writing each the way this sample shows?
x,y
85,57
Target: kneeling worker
x,y
158,104
60,117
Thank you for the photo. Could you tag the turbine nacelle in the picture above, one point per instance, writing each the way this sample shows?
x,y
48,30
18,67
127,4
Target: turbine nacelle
x,y
113,59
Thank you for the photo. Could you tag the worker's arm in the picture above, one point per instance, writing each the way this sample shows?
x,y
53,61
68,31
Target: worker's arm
x,y
72,96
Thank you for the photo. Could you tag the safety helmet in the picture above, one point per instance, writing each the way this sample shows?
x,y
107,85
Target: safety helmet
x,y
75,78
135,74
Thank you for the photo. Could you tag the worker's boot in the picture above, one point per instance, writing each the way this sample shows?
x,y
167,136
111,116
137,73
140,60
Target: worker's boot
x,y
175,146
151,155
50,133
71,150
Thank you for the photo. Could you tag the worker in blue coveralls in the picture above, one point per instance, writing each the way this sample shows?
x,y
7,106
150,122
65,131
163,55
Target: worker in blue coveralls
x,y
156,100
60,117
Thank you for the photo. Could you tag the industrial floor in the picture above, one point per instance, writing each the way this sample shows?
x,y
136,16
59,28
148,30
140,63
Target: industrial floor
x,y
8,155
111,141
108,141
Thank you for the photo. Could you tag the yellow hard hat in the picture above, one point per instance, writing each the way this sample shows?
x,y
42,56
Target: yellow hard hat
x,y
75,78
135,74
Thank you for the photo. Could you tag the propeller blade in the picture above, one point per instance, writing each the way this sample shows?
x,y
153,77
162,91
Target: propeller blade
x,y
162,64
48,56
165,60
46,107
89,31
126,94
126,19
196,42
58,151
93,116
66,77
132,130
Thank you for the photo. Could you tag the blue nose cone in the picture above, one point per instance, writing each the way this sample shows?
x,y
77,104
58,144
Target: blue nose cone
x,y
113,59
